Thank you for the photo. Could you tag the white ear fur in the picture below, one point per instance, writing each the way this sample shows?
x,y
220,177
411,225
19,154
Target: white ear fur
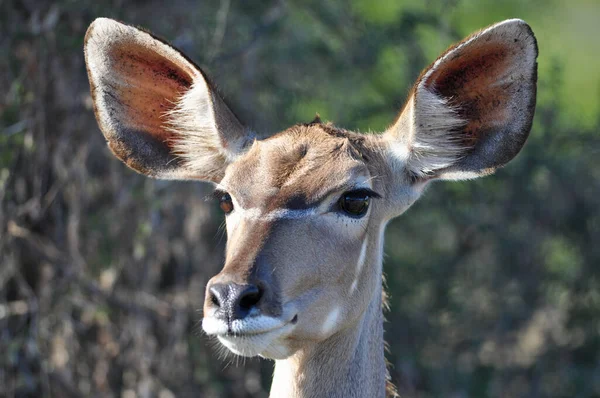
x,y
470,112
426,147
200,145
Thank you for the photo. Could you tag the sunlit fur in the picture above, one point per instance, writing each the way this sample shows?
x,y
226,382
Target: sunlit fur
x,y
196,138
427,147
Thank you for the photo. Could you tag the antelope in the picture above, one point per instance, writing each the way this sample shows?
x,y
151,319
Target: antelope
x,y
306,208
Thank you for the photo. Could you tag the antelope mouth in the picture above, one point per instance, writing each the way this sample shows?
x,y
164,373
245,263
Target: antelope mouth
x,y
252,326
260,335
233,331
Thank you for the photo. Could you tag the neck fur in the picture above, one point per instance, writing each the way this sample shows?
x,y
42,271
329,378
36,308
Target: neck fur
x,y
351,363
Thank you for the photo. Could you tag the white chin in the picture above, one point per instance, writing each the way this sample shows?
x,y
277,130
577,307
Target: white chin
x,y
266,345
252,336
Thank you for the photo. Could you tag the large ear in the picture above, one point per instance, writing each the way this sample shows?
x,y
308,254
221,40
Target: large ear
x,y
470,112
157,110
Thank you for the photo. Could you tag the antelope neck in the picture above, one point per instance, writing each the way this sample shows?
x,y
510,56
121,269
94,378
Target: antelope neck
x,y
350,363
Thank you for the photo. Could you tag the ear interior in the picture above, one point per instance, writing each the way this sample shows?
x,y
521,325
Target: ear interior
x,y
477,82
471,110
156,109
144,88
135,81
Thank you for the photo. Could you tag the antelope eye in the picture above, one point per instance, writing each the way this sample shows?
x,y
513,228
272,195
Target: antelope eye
x,y
225,202
355,203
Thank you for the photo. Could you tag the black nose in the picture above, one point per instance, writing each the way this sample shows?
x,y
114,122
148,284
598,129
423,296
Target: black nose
x,y
234,301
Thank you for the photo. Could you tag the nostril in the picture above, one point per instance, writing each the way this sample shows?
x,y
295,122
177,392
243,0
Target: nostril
x,y
250,297
232,301
214,300
218,295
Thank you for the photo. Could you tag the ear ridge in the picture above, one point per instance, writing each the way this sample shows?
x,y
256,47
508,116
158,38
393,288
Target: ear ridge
x,y
147,97
471,110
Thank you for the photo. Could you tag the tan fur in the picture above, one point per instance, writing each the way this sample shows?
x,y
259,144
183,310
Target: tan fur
x,y
318,268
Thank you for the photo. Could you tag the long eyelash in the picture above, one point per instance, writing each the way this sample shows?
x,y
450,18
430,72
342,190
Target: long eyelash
x,y
218,194
366,192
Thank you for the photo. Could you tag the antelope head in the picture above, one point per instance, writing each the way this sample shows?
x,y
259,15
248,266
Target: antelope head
x,y
306,207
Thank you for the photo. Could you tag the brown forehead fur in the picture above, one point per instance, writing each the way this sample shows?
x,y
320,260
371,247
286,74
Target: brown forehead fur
x,y
321,153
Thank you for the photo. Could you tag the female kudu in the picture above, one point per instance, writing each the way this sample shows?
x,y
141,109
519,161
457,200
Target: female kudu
x,y
306,208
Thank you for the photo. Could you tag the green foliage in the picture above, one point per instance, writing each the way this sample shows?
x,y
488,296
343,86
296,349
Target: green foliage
x,y
562,259
566,34
383,13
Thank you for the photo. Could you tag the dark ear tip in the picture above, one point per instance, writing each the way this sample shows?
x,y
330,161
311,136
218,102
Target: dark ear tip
x,y
514,24
514,21
317,119
517,28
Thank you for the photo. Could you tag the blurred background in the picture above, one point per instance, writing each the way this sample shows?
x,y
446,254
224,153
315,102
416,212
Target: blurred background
x,y
495,283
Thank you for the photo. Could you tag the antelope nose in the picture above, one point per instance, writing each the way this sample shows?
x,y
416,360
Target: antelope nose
x,y
234,301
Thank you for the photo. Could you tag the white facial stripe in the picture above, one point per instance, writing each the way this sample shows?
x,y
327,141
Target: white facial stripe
x,y
331,320
256,213
220,187
360,182
359,265
362,257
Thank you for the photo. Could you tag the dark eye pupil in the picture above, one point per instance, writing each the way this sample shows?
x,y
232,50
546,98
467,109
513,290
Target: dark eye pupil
x,y
354,204
225,203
